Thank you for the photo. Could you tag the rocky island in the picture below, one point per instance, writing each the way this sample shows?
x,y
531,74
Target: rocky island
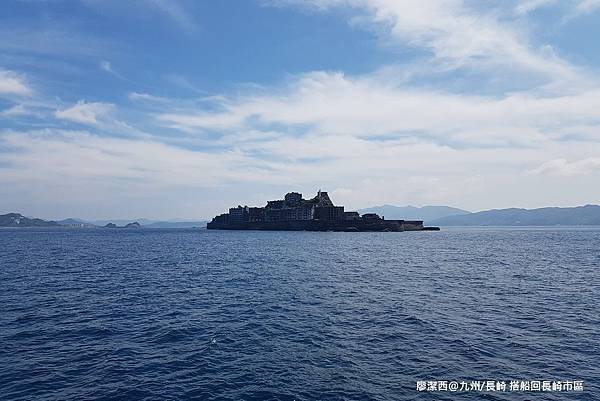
x,y
294,213
135,224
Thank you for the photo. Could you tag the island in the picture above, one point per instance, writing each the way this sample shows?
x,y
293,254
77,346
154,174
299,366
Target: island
x,y
135,224
18,220
294,213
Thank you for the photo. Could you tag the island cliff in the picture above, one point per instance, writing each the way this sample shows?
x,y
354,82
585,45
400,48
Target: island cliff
x,y
294,213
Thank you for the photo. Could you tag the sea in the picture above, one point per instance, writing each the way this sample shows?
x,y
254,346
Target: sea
x,y
192,314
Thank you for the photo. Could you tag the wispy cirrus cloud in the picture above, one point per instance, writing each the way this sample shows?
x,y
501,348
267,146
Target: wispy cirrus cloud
x,y
17,111
175,10
146,97
527,6
575,8
564,167
86,113
106,66
455,33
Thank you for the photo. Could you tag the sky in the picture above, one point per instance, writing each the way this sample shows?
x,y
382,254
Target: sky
x,y
171,109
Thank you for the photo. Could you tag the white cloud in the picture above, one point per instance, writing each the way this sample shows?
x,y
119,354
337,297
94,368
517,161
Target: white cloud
x,y
80,155
331,103
455,33
85,113
565,168
79,165
79,173
372,134
13,84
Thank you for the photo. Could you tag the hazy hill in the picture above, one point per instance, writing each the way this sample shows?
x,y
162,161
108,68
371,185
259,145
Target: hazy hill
x,y
547,216
18,220
75,223
425,213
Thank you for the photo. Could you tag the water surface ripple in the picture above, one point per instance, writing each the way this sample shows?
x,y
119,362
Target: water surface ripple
x,y
210,315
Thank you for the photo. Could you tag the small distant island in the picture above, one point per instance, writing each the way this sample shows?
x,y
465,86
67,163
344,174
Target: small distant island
x,y
294,213
135,224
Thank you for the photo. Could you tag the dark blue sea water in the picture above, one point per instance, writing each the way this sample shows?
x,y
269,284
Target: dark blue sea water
x,y
216,315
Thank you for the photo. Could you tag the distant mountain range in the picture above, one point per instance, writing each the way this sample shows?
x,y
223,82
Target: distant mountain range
x,y
450,216
425,213
18,220
432,215
547,216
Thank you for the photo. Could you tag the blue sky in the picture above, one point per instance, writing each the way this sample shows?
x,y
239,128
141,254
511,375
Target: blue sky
x,y
179,109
